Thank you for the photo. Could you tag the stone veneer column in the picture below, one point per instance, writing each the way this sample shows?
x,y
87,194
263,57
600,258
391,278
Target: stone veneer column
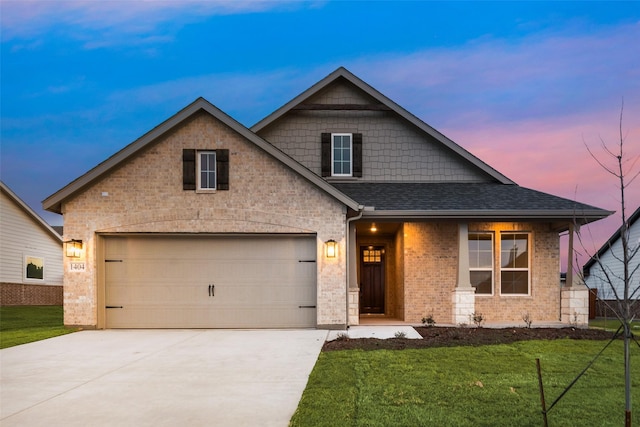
x,y
463,297
353,297
574,298
575,306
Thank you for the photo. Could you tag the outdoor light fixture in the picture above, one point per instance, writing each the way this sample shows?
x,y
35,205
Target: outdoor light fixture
x,y
331,248
374,228
73,248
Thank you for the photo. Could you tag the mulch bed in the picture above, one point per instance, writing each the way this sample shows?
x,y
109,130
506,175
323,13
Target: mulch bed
x,y
451,336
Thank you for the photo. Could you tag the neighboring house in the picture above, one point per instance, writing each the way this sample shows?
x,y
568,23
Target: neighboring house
x,y
604,271
339,207
30,255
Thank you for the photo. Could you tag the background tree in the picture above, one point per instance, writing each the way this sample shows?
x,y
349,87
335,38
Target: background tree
x,y
622,277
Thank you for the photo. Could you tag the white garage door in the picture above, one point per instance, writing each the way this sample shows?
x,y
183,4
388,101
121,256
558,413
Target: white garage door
x,y
210,282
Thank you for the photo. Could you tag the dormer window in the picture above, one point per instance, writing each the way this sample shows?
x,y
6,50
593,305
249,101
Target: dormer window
x,y
341,154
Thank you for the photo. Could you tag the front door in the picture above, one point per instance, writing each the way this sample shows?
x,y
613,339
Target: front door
x,y
372,274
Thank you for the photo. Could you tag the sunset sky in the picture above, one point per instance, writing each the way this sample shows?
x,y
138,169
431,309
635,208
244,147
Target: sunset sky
x,y
525,86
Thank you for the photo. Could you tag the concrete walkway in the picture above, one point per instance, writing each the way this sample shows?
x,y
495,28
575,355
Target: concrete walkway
x,y
158,378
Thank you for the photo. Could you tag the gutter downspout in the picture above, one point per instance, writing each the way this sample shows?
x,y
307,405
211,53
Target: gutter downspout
x,y
347,244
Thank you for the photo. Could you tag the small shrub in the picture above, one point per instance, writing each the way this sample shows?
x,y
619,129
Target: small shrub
x,y
428,321
342,336
526,317
477,318
400,334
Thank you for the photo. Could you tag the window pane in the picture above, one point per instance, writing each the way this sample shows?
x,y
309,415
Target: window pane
x,y
514,282
480,250
207,167
342,154
481,280
514,251
484,260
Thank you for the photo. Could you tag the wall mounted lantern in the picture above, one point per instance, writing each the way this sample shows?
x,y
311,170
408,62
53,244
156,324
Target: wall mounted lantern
x,y
73,248
331,248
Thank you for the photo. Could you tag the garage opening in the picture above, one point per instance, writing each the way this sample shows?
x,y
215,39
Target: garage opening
x,y
231,281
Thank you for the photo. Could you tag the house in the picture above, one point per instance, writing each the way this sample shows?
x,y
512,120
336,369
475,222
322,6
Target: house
x,y
339,207
30,255
604,272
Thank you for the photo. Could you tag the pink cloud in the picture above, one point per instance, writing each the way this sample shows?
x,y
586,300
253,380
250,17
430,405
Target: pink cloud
x,y
551,156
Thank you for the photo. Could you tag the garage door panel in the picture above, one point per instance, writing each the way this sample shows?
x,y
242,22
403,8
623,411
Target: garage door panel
x,y
164,282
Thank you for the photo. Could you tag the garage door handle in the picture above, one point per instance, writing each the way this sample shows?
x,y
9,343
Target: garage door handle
x,y
212,290
306,306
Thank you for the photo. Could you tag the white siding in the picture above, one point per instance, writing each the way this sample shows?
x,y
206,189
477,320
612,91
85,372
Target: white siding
x,y
20,235
611,260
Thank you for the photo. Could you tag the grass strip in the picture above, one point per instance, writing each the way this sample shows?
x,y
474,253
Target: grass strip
x,y
25,324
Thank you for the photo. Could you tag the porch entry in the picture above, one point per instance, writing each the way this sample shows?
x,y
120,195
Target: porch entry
x,y
372,286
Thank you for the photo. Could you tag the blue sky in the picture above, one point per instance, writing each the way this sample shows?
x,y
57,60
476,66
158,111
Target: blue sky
x,y
522,85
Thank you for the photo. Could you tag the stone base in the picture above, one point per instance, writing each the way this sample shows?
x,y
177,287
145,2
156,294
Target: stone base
x,y
464,305
575,306
354,306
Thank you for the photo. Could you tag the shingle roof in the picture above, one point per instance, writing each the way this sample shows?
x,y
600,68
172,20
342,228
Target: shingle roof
x,y
467,200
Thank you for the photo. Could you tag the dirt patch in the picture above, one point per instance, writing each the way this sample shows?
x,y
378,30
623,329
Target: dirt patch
x,y
450,337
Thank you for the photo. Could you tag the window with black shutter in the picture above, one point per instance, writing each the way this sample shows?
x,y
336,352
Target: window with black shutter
x,y
205,170
341,154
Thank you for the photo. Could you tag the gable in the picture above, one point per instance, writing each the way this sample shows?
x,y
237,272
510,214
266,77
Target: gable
x,y
54,202
396,147
146,192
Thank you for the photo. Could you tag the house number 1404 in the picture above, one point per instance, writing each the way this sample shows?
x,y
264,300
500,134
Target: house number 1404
x,y
77,266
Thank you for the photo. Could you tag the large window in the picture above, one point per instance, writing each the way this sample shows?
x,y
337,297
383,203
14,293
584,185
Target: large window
x,y
514,264
481,262
341,154
206,170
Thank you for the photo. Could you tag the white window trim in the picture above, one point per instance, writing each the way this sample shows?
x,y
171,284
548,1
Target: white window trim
x,y
528,269
350,135
199,188
492,268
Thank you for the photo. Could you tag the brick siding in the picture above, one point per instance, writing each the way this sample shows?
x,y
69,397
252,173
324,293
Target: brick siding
x,y
25,294
430,274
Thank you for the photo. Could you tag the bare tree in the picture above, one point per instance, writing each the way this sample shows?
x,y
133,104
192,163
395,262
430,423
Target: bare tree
x,y
621,279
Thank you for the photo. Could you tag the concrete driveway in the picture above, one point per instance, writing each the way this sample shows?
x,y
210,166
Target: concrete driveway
x,y
158,377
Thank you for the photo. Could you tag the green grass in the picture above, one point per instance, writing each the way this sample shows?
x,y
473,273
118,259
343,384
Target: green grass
x,y
493,385
24,324
612,324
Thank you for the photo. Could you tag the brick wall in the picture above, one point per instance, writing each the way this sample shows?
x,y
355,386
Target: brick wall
x,y
25,294
430,269
430,274
145,195
544,302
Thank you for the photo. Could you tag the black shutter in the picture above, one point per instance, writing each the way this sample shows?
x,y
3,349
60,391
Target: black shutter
x,y
222,169
326,154
188,169
357,155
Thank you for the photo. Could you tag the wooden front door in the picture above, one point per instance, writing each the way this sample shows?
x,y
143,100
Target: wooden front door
x,y
372,284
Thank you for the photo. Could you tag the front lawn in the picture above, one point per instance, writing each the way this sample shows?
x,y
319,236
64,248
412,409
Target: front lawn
x,y
492,385
612,324
23,324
